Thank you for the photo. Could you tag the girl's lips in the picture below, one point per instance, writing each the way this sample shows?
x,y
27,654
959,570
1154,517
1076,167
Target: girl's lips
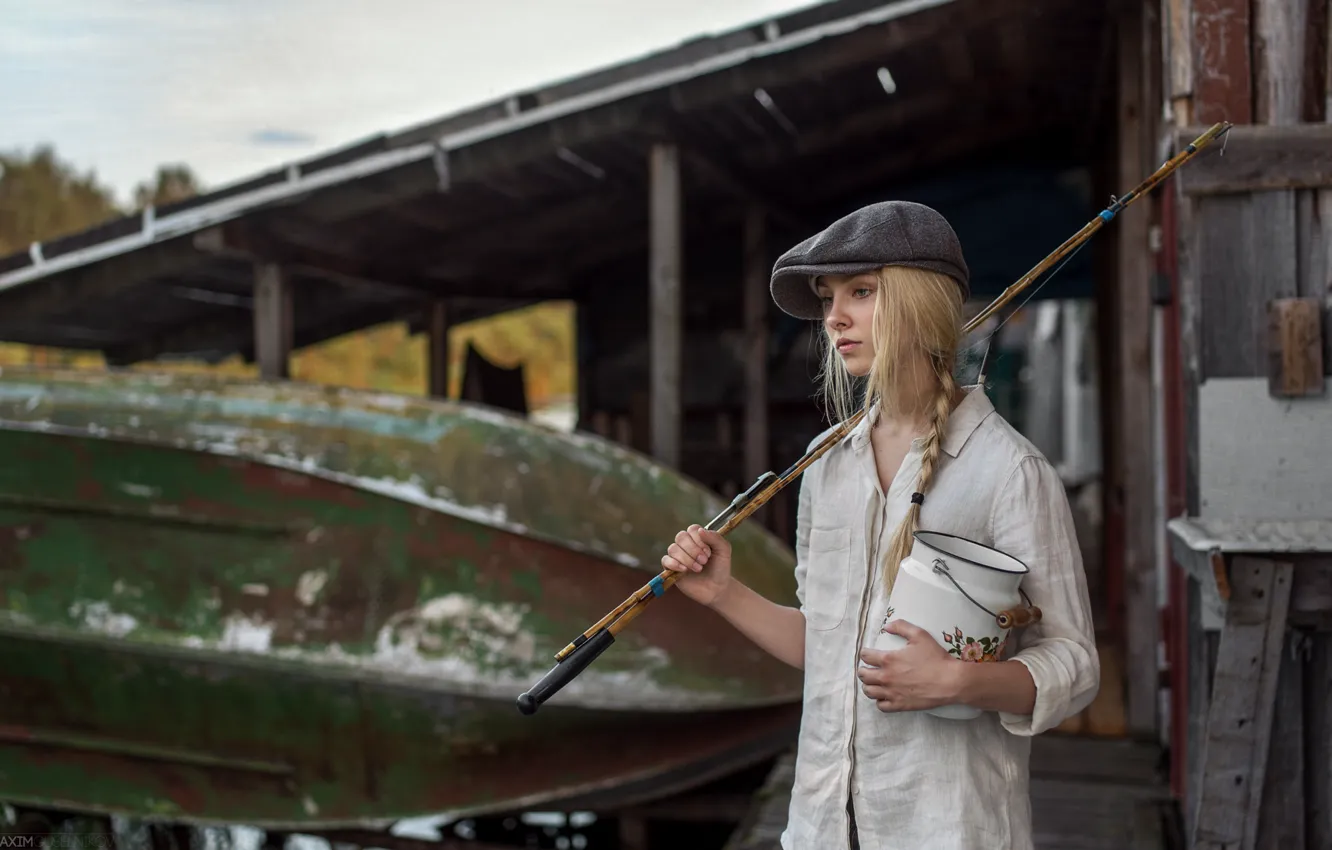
x,y
847,344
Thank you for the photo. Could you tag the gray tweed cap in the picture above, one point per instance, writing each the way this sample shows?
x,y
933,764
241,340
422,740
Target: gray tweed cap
x,y
889,233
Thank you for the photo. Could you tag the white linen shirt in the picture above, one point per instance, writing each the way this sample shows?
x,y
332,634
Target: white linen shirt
x,y
921,782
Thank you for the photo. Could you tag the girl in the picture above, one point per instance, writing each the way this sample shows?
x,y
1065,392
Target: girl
x,y
872,769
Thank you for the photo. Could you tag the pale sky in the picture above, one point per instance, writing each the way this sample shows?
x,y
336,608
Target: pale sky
x,y
234,87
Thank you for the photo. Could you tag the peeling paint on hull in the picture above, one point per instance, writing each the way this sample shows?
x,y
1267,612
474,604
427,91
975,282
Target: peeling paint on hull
x,y
272,603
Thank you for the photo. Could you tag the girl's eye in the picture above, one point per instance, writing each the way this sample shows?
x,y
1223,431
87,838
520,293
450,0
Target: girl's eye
x,y
863,292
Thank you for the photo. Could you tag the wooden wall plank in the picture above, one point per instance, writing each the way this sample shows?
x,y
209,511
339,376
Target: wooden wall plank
x,y
1222,90
1244,690
1199,698
1317,62
1255,158
1256,457
1318,734
1313,220
1247,258
1278,60
1281,822
1178,44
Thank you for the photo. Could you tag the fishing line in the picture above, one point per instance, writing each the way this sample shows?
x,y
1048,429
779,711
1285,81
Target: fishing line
x,y
988,339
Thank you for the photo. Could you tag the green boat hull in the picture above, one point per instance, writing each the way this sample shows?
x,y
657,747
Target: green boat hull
x,y
313,608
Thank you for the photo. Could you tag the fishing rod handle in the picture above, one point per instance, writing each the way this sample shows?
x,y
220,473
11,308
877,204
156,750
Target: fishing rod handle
x,y
564,672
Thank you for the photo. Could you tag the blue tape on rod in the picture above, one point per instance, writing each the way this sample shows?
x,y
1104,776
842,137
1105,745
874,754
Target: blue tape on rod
x,y
658,588
1107,215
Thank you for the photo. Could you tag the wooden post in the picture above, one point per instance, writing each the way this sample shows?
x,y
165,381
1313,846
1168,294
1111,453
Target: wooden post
x,y
1132,479
666,319
437,350
756,346
272,321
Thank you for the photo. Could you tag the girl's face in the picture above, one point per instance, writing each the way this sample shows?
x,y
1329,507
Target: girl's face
x,y
848,318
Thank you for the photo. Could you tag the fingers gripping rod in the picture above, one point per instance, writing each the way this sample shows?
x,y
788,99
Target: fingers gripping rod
x,y
584,649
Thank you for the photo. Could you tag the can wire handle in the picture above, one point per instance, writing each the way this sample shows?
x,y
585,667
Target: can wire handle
x,y
1005,619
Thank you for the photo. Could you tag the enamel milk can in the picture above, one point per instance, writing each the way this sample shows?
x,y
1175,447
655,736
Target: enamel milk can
x,y
965,594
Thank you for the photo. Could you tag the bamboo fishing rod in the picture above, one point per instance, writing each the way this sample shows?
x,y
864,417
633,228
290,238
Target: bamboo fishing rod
x,y
584,649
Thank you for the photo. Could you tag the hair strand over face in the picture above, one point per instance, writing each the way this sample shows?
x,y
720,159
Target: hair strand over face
x,y
917,316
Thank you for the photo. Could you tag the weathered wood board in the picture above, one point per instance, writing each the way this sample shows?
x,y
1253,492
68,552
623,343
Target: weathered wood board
x,y
1255,452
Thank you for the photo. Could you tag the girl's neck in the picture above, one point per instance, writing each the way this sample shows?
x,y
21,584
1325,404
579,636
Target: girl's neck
x,y
913,413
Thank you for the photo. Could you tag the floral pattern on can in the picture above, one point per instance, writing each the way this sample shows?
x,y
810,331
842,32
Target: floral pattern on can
x,y
883,628
984,648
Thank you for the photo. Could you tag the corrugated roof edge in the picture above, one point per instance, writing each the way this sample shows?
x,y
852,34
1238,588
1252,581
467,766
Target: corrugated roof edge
x,y
227,203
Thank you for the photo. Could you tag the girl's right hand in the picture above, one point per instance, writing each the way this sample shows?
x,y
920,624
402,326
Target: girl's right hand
x,y
705,559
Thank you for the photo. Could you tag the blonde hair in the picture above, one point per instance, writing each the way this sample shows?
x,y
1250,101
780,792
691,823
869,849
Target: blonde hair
x,y
917,314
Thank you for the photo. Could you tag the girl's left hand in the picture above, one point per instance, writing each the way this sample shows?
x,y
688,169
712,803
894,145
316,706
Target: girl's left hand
x,y
918,676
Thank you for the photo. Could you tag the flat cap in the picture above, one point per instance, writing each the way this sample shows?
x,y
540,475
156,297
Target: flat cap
x,y
889,233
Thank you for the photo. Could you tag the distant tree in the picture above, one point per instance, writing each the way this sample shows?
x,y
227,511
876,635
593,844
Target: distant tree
x,y
44,198
173,183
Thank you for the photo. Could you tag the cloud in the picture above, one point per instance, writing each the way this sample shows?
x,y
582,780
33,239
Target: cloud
x,y
121,87
280,137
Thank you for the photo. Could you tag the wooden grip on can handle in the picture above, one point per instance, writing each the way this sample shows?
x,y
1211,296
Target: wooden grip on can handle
x,y
1018,617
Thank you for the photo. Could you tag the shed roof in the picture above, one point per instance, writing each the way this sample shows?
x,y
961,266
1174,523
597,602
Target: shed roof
x,y
544,194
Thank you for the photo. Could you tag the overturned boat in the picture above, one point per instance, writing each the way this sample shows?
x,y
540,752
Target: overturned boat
x,y
309,608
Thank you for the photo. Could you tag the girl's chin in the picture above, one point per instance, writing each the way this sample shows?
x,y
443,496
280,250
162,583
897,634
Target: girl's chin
x,y
855,368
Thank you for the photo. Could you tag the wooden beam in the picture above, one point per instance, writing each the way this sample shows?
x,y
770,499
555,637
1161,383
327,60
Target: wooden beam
x,y
666,317
458,253
1131,477
78,287
756,300
874,43
245,240
1258,158
272,321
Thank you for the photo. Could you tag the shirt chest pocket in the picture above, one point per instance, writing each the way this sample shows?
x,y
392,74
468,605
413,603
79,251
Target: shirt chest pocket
x,y
826,580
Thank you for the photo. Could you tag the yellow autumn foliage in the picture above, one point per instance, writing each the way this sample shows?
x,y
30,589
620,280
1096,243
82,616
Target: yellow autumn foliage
x,y
389,359
44,197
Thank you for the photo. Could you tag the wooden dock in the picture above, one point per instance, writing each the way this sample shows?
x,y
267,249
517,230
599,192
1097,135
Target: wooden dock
x,y
1086,794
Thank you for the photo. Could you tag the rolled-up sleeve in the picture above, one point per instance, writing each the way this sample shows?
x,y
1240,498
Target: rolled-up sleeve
x,y
1032,521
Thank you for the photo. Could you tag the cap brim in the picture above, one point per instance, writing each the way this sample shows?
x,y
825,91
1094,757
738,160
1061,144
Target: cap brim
x,y
792,288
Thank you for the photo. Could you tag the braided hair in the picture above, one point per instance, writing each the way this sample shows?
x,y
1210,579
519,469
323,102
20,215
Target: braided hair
x,y
917,315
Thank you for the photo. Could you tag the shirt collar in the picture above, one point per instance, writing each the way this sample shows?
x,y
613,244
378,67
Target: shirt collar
x,y
966,418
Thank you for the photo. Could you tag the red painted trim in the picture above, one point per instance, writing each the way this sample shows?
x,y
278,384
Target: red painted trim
x,y
1175,628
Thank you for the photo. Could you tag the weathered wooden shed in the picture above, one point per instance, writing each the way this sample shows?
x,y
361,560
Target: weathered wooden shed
x,y
655,195
1248,248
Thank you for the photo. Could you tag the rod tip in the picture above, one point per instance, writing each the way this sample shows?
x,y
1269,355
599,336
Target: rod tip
x,y
527,704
